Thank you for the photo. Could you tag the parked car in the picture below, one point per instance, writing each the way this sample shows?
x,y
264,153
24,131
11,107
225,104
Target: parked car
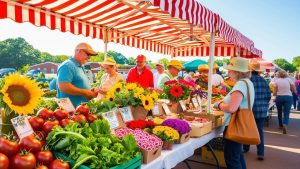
x,y
6,71
34,73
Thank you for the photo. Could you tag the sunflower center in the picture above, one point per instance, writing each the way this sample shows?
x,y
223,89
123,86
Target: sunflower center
x,y
111,99
118,89
18,95
146,102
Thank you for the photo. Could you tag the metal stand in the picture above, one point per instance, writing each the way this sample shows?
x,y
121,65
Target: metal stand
x,y
212,151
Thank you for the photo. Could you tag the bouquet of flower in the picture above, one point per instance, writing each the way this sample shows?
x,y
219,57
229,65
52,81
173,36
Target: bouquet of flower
x,y
177,90
124,94
166,133
140,124
181,126
158,120
144,140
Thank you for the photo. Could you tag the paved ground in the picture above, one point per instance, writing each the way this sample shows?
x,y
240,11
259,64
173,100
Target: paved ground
x,y
281,151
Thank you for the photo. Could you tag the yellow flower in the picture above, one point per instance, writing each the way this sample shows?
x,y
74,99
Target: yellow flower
x,y
130,86
21,94
154,95
147,102
138,92
158,120
110,96
117,87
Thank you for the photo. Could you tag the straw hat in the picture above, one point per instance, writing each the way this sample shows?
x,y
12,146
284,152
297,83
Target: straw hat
x,y
202,67
108,61
254,65
176,64
238,64
87,48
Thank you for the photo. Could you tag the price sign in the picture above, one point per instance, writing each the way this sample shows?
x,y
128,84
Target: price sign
x,y
195,102
182,105
66,104
166,109
22,126
126,113
155,110
112,119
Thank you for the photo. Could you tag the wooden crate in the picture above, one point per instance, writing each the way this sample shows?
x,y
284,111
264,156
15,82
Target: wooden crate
x,y
184,138
198,132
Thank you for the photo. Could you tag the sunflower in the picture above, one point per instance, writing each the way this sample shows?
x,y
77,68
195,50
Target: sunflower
x,y
138,92
117,87
21,94
147,102
110,96
176,91
154,96
130,86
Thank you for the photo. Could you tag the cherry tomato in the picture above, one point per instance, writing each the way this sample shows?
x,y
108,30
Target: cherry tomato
x,y
58,164
83,109
8,148
79,118
45,113
26,161
64,122
60,114
30,143
44,157
91,118
37,123
4,162
48,125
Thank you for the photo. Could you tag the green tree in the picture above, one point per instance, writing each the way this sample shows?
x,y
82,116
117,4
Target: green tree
x,y
165,61
97,58
296,62
220,62
24,69
59,58
284,64
119,58
131,61
16,53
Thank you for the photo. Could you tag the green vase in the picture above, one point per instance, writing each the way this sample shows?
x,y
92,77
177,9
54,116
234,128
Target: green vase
x,y
6,126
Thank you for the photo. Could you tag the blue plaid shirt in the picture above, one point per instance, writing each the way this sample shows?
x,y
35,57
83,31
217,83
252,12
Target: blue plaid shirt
x,y
262,96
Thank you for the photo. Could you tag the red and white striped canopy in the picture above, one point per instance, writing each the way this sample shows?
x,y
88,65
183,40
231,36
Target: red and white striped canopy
x,y
177,27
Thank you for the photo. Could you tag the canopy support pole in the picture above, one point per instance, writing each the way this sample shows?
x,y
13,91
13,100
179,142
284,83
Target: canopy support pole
x,y
211,65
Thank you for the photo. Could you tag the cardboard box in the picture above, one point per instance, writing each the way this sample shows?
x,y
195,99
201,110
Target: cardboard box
x,y
149,156
215,117
139,112
207,157
198,132
184,138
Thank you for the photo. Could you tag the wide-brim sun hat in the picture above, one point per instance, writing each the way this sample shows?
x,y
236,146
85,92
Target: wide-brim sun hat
x,y
254,65
87,48
108,61
176,64
238,64
202,67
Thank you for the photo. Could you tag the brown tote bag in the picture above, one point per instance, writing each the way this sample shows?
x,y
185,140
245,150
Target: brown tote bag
x,y
242,126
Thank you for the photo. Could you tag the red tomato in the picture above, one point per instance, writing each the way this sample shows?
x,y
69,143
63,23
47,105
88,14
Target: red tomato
x,y
41,167
64,122
91,118
83,109
9,148
4,162
36,123
26,161
79,118
48,125
58,164
60,114
45,113
30,143
44,157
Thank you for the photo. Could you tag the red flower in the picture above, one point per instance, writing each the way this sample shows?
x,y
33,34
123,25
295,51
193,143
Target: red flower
x,y
137,124
176,91
150,124
170,82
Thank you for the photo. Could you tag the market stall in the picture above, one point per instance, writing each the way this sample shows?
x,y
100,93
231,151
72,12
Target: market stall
x,y
181,28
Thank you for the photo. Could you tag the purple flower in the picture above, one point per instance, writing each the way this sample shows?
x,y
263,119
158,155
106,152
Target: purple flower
x,y
181,126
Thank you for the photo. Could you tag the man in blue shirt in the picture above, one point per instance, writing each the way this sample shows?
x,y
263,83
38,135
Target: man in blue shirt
x,y
71,77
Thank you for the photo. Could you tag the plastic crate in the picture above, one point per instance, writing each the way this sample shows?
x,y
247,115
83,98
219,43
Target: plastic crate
x,y
134,163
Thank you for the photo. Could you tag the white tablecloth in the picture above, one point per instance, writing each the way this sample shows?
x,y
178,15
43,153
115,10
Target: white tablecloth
x,y
180,152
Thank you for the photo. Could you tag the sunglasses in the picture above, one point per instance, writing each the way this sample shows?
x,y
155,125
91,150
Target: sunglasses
x,y
88,54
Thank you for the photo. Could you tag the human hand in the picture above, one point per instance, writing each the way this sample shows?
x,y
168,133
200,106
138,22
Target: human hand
x,y
216,105
90,94
95,89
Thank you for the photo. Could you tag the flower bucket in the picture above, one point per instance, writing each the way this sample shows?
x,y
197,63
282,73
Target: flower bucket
x,y
139,112
6,126
175,107
149,156
167,145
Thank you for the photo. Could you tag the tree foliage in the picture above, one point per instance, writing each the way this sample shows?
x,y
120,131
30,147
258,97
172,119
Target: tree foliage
x,y
16,53
131,61
284,64
119,58
296,62
165,61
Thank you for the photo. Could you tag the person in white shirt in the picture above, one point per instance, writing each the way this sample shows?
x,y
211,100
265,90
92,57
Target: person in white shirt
x,y
160,70
216,78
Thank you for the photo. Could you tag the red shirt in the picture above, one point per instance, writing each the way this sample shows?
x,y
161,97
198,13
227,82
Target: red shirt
x,y
145,79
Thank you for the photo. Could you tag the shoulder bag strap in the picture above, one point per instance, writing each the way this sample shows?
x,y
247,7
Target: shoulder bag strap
x,y
248,94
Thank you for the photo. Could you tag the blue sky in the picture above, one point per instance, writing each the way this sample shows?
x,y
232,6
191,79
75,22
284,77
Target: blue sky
x,y
273,25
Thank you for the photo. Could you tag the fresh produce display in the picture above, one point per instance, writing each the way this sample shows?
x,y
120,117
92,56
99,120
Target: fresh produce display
x,y
23,161
144,140
9,146
92,144
49,93
140,124
181,126
46,103
4,162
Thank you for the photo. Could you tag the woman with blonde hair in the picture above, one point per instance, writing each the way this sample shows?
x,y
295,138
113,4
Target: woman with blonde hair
x,y
283,88
235,99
